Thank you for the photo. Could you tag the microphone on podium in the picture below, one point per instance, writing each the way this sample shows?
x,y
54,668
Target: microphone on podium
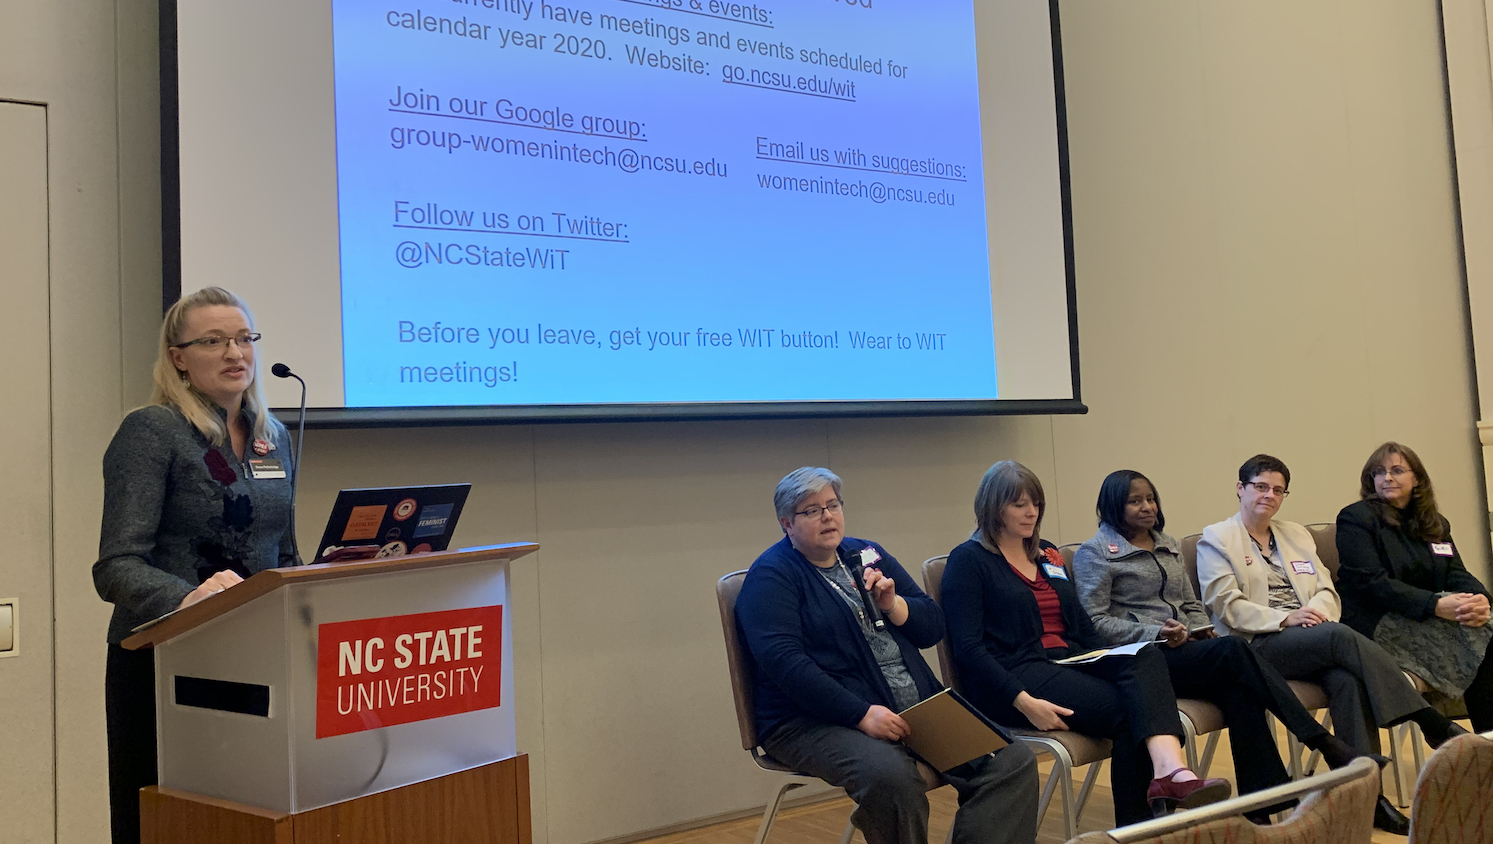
x,y
280,370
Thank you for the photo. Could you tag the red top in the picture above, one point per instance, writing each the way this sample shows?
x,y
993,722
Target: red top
x,y
1050,607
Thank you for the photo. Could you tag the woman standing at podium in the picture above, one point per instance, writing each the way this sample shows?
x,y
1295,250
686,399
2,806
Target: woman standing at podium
x,y
197,497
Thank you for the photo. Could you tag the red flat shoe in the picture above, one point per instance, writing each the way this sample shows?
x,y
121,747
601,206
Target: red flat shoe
x,y
1166,795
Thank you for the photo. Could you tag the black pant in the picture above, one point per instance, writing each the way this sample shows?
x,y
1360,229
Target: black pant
x,y
1228,674
997,794
1479,696
1125,699
130,714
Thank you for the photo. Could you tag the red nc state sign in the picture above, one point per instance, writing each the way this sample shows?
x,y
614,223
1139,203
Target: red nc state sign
x,y
378,672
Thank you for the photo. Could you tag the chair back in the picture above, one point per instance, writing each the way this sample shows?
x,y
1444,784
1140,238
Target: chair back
x,y
1453,801
933,585
738,658
1190,561
1325,535
1068,551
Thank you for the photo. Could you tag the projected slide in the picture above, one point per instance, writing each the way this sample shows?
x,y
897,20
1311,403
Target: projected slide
x,y
600,201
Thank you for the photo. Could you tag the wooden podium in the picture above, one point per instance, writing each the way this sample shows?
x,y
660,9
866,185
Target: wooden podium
x,y
367,701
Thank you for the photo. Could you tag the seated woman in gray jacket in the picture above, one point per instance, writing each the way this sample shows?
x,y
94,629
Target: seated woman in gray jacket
x,y
1262,580
1132,583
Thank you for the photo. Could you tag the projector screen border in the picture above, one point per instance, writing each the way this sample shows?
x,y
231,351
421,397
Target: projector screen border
x,y
329,418
333,418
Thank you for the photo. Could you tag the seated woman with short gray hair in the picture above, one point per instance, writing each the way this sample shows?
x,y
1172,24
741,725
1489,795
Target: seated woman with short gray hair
x,y
832,675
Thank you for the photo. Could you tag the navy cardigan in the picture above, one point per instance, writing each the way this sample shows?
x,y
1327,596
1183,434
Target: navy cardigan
x,y
995,626
809,653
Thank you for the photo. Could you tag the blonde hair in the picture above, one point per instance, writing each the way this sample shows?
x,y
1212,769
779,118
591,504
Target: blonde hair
x,y
172,389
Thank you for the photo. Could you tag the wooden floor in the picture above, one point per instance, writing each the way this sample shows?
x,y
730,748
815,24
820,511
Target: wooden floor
x,y
822,823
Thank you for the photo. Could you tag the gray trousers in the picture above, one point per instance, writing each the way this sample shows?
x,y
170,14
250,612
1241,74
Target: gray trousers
x,y
997,794
1365,688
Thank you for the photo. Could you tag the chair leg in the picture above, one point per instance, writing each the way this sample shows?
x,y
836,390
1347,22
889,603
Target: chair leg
x,y
1208,750
1047,789
1293,753
1060,778
770,811
1311,762
1189,741
1070,819
1397,735
1083,793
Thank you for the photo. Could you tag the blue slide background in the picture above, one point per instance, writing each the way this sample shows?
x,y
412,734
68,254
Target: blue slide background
x,y
712,253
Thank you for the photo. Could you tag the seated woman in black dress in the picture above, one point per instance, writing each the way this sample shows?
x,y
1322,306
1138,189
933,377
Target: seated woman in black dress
x,y
1404,586
1134,587
1011,611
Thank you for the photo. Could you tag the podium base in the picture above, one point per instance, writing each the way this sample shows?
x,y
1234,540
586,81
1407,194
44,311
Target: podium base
x,y
486,805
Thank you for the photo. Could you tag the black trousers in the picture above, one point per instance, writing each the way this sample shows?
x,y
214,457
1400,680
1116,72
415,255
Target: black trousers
x,y
1227,673
130,715
997,793
1479,696
1124,699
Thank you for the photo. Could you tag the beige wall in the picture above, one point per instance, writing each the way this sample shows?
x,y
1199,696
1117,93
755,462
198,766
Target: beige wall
x,y
1267,260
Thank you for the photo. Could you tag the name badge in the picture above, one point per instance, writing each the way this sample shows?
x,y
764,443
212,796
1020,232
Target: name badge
x,y
1054,571
869,557
1441,549
1303,567
266,468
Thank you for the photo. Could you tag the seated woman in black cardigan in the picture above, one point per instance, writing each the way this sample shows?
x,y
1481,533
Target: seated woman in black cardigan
x,y
1011,611
1403,583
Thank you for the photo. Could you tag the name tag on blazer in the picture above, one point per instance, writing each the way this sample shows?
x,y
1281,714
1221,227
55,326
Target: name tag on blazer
x,y
1054,571
1303,567
1441,549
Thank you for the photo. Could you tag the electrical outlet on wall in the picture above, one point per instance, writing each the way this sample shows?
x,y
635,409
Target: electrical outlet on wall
x,y
10,636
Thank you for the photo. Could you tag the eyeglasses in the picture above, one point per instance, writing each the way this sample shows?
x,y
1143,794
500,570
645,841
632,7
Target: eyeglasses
x,y
1261,487
815,512
1393,471
218,343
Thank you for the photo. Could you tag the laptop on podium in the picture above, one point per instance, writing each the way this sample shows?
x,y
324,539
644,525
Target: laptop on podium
x,y
390,522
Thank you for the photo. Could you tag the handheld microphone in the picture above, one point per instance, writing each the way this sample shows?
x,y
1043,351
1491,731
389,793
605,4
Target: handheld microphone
x,y
858,575
280,370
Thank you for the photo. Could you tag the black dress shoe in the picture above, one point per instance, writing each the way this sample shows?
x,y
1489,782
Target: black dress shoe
x,y
1453,729
1389,819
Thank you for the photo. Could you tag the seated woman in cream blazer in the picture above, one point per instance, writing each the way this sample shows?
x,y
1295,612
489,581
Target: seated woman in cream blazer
x,y
1263,581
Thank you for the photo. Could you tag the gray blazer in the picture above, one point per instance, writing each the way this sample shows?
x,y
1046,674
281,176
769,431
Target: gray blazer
x,y
178,509
1129,592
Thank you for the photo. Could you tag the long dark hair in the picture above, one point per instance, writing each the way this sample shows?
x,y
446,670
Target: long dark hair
x,y
1113,495
1423,521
